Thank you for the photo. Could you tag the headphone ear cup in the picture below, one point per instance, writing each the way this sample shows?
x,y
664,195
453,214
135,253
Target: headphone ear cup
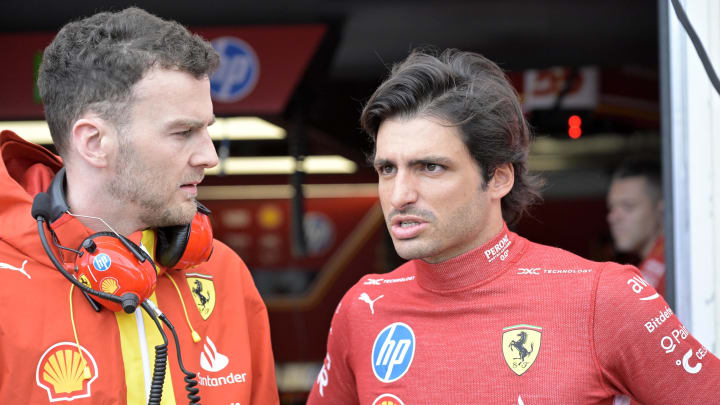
x,y
107,264
171,244
183,247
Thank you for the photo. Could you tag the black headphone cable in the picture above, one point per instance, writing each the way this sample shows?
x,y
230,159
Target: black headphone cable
x,y
190,382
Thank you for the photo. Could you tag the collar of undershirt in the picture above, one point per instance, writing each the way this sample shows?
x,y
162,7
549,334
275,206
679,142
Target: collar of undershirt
x,y
473,267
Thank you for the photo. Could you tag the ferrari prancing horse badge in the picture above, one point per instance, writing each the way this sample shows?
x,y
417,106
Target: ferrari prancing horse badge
x,y
521,345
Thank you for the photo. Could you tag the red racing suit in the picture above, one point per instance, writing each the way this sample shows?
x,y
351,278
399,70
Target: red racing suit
x,y
511,322
652,267
40,361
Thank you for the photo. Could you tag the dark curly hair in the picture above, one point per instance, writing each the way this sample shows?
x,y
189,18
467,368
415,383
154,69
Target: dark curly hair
x,y
467,91
92,64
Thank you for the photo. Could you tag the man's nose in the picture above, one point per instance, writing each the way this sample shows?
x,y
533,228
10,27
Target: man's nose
x,y
404,191
205,155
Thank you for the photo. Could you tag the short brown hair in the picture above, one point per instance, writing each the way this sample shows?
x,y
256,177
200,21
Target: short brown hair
x,y
92,64
470,92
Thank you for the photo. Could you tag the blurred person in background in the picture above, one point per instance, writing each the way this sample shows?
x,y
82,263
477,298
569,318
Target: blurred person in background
x,y
635,215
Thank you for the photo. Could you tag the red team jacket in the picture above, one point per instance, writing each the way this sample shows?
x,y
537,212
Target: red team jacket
x,y
511,322
39,359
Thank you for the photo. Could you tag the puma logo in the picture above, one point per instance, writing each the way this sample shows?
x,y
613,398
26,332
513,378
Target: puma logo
x,y
21,269
366,298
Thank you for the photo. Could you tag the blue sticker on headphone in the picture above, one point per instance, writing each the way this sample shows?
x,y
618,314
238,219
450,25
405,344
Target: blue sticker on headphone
x,y
102,262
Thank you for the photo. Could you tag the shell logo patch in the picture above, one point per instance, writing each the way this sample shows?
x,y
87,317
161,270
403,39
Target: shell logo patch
x,y
61,372
109,285
387,399
203,293
521,345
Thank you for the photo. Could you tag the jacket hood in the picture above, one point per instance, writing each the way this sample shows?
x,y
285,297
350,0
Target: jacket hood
x,y
25,170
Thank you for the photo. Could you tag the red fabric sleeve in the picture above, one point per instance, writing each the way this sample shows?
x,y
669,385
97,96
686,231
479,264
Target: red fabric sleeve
x,y
335,383
264,389
642,348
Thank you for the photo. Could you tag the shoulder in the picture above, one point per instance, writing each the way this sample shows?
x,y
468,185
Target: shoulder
x,y
552,253
20,270
403,274
624,282
371,286
550,260
221,251
223,259
224,264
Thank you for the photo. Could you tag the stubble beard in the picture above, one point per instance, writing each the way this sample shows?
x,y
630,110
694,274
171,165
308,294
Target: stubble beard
x,y
135,183
412,249
441,241
418,247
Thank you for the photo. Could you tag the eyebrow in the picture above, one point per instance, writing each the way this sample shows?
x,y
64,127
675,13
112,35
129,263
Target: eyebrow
x,y
189,123
382,162
430,160
415,162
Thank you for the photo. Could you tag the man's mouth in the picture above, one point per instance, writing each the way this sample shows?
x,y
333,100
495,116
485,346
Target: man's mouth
x,y
406,227
190,188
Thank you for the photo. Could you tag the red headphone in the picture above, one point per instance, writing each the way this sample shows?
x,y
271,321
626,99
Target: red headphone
x,y
113,264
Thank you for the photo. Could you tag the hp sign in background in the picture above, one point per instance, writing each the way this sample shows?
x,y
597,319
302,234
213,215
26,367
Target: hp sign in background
x,y
393,352
238,72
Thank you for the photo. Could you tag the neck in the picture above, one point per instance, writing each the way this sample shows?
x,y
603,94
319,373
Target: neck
x,y
472,267
490,229
86,198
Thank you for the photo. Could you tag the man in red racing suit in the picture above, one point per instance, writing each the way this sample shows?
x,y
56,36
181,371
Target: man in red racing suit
x,y
511,322
479,314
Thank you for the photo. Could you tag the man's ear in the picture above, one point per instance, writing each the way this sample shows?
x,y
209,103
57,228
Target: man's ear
x,y
502,181
90,141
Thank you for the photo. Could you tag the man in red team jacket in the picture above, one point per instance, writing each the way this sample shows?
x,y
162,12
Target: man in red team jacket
x,y
127,99
479,314
635,214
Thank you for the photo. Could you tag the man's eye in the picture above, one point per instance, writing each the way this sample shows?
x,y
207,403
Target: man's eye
x,y
184,133
387,169
433,168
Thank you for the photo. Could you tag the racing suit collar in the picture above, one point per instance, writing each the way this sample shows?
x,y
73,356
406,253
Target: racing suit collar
x,y
473,267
